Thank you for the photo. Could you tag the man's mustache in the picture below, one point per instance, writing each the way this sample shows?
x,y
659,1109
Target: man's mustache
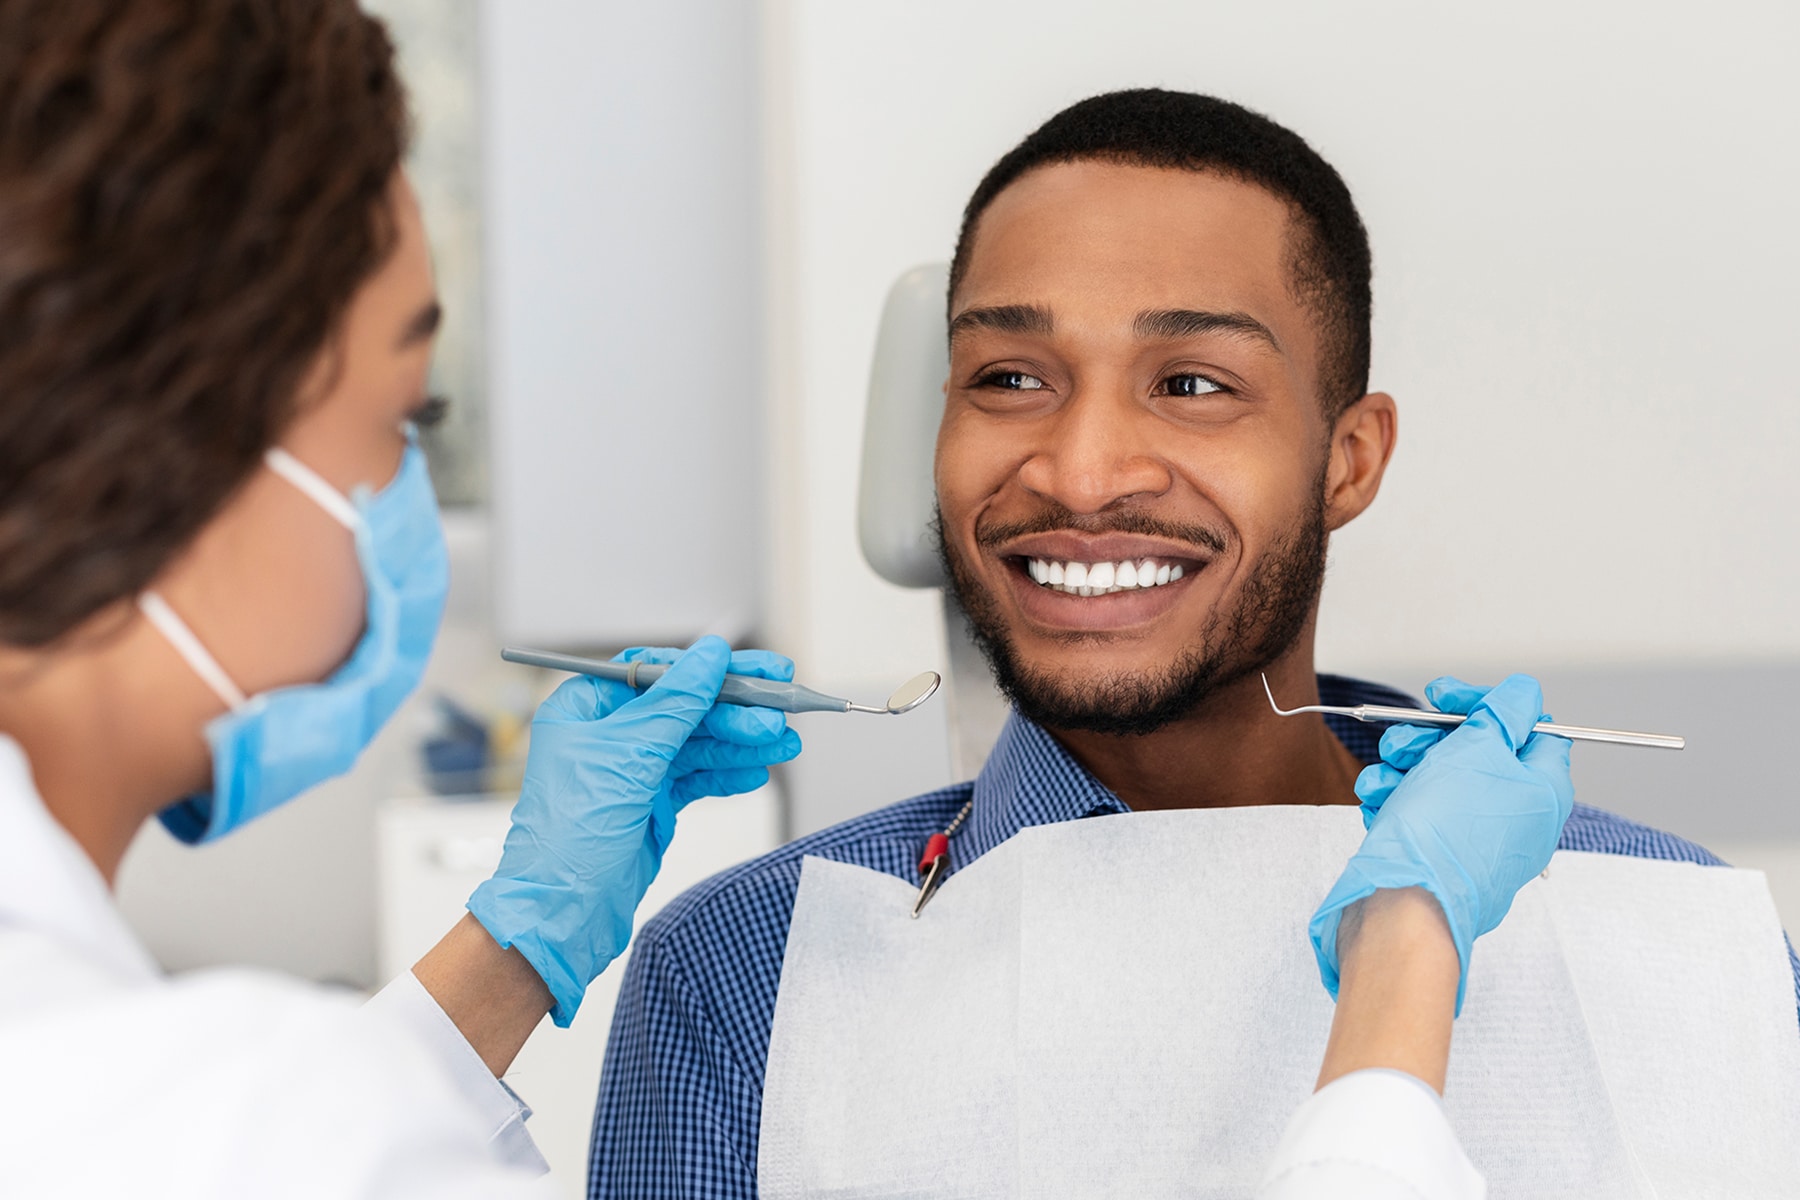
x,y
1131,521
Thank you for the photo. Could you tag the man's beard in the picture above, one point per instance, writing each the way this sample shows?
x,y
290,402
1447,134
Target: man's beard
x,y
1238,640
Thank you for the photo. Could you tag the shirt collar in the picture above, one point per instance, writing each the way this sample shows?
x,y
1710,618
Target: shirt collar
x,y
1030,779
47,881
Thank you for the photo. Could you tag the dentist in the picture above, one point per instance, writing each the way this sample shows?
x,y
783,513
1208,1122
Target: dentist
x,y
221,571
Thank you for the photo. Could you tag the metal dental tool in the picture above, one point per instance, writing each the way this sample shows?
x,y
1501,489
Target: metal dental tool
x,y
746,690
1422,716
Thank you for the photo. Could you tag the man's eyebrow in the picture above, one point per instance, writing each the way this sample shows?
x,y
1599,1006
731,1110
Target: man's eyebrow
x,y
424,324
1168,324
1005,318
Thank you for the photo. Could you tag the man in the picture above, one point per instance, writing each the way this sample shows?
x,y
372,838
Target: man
x,y
1157,412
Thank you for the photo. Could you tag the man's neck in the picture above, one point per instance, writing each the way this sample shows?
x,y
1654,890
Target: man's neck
x,y
1234,750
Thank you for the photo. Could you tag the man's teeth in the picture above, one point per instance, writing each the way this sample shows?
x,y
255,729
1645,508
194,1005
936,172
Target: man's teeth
x,y
1104,578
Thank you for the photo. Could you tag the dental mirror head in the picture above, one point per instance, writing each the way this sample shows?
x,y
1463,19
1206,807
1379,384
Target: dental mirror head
x,y
914,692
906,697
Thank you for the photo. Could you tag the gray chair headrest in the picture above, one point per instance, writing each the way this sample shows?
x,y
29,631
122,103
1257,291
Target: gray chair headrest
x,y
897,495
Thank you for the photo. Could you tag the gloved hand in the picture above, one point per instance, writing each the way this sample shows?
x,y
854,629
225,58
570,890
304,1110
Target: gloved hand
x,y
1469,814
607,771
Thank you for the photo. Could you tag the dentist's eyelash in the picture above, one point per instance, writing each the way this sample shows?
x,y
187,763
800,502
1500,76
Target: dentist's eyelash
x,y
430,411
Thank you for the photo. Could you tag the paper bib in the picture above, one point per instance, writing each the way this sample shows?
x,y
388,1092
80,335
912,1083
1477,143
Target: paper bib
x,y
1128,1006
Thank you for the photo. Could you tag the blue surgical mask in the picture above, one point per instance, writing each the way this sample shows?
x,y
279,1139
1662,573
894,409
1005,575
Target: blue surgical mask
x,y
269,748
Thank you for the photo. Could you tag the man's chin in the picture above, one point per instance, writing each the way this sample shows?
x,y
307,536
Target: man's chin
x,y
1119,703
1091,681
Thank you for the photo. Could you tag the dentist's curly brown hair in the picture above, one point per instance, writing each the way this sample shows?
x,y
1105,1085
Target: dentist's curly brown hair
x,y
191,191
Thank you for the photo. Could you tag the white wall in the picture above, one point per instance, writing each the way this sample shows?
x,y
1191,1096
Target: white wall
x,y
621,210
1587,292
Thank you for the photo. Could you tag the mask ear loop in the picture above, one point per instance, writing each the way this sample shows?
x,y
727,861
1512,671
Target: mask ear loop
x,y
157,611
315,487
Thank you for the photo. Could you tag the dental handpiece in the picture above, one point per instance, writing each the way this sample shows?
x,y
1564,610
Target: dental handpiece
x,y
745,690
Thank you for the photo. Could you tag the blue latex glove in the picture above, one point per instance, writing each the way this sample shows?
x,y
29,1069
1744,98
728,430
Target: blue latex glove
x,y
607,771
1470,815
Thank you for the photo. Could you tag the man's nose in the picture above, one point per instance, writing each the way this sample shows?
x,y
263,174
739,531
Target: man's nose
x,y
1097,449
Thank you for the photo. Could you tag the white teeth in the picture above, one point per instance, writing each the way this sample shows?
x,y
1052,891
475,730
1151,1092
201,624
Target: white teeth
x,y
1102,578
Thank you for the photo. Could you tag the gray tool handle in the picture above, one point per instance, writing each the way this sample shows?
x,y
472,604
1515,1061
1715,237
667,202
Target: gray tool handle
x,y
745,690
1575,733
753,692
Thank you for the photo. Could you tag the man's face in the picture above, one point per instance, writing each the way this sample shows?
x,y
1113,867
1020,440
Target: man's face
x,y
1132,382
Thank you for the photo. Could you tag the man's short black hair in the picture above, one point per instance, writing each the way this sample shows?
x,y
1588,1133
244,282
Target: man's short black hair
x,y
1150,127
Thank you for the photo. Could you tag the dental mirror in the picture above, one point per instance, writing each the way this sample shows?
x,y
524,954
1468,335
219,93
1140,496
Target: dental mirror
x,y
907,696
738,689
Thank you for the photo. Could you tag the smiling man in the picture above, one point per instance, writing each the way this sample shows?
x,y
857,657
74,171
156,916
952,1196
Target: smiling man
x,y
1157,412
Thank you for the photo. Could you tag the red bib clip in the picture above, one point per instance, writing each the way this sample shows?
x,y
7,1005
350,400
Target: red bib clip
x,y
936,847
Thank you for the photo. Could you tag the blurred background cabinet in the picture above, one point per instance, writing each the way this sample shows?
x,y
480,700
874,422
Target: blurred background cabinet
x,y
431,854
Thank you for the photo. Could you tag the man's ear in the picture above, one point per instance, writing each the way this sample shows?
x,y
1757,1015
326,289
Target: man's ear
x,y
1362,441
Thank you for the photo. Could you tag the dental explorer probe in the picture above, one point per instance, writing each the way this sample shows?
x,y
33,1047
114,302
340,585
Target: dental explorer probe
x,y
1423,716
746,690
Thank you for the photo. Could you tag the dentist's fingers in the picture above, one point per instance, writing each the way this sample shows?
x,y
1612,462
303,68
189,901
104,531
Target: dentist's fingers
x,y
705,753
584,698
1509,710
733,722
764,664
1449,694
1548,755
1403,746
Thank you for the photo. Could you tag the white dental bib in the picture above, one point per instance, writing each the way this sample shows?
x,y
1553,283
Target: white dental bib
x,y
1128,1006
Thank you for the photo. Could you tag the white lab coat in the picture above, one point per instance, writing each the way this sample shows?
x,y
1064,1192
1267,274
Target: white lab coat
x,y
122,1081
1371,1135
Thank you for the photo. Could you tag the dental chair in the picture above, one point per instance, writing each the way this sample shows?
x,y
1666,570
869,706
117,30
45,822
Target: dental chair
x,y
896,502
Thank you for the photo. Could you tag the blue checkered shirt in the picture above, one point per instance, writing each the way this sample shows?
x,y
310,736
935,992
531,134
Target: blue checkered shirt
x,y
681,1090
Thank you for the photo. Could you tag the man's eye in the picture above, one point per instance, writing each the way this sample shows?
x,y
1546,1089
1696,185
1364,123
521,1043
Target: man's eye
x,y
1012,381
1190,385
